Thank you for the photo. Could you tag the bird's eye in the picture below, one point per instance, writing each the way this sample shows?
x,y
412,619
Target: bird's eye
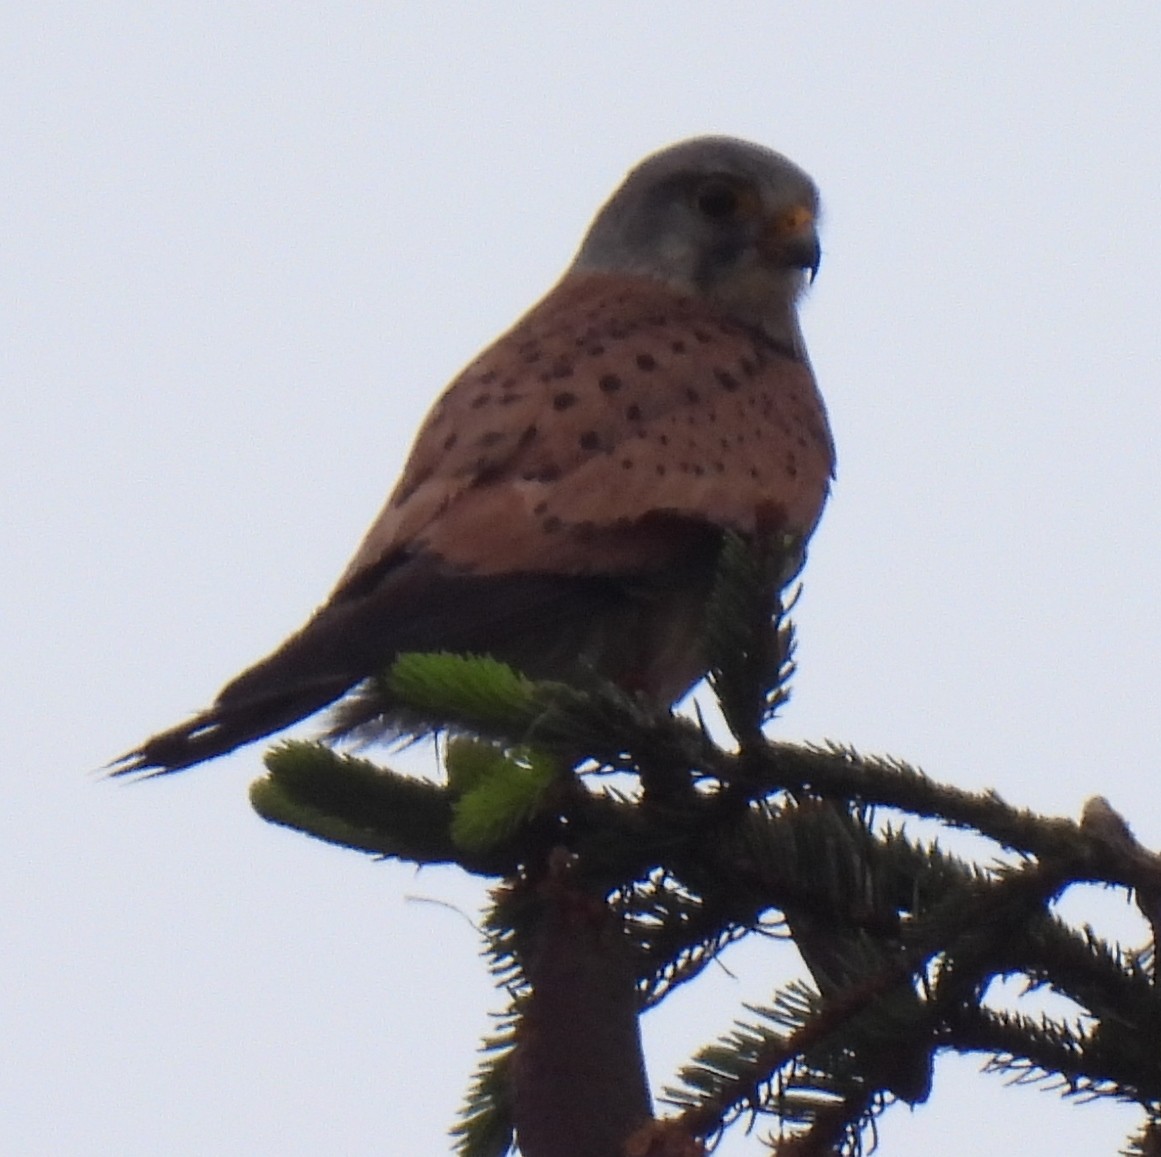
x,y
717,199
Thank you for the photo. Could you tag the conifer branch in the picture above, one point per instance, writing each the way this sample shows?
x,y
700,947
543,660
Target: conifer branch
x,y
615,895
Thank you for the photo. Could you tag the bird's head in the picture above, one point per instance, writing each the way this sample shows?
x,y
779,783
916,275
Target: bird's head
x,y
716,217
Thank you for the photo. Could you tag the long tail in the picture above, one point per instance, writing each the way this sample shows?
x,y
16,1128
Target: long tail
x,y
541,623
346,640
228,724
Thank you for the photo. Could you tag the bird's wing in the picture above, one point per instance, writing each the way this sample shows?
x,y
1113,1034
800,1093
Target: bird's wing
x,y
608,436
611,402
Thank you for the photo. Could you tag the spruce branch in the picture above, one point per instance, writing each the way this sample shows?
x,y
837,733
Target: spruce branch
x,y
749,644
497,791
836,772
615,895
786,1064
355,803
485,1127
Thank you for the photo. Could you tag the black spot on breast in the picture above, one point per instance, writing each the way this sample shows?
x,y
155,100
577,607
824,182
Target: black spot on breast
x,y
678,347
481,400
626,463
691,395
527,435
491,438
542,474
590,440
726,379
487,378
551,524
646,362
562,368
610,383
633,412
450,441
564,400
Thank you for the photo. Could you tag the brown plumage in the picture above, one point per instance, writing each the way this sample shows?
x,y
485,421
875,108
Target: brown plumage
x,y
564,501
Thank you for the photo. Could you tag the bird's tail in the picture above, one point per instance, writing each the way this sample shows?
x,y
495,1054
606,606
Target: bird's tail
x,y
231,722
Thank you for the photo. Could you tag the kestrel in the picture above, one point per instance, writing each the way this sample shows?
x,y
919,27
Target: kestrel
x,y
564,502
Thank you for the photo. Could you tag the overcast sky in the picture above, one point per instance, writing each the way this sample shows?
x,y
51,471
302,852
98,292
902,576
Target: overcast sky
x,y
241,249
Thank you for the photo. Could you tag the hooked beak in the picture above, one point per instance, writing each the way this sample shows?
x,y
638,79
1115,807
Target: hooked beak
x,y
790,239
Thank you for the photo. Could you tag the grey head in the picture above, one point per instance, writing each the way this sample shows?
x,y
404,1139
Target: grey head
x,y
715,217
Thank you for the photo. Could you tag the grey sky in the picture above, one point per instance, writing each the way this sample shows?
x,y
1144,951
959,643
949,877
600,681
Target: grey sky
x,y
241,249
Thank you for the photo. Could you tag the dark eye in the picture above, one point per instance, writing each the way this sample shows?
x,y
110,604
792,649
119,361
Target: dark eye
x,y
717,199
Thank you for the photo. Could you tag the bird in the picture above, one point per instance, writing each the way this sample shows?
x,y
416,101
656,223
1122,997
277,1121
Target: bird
x,y
566,498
